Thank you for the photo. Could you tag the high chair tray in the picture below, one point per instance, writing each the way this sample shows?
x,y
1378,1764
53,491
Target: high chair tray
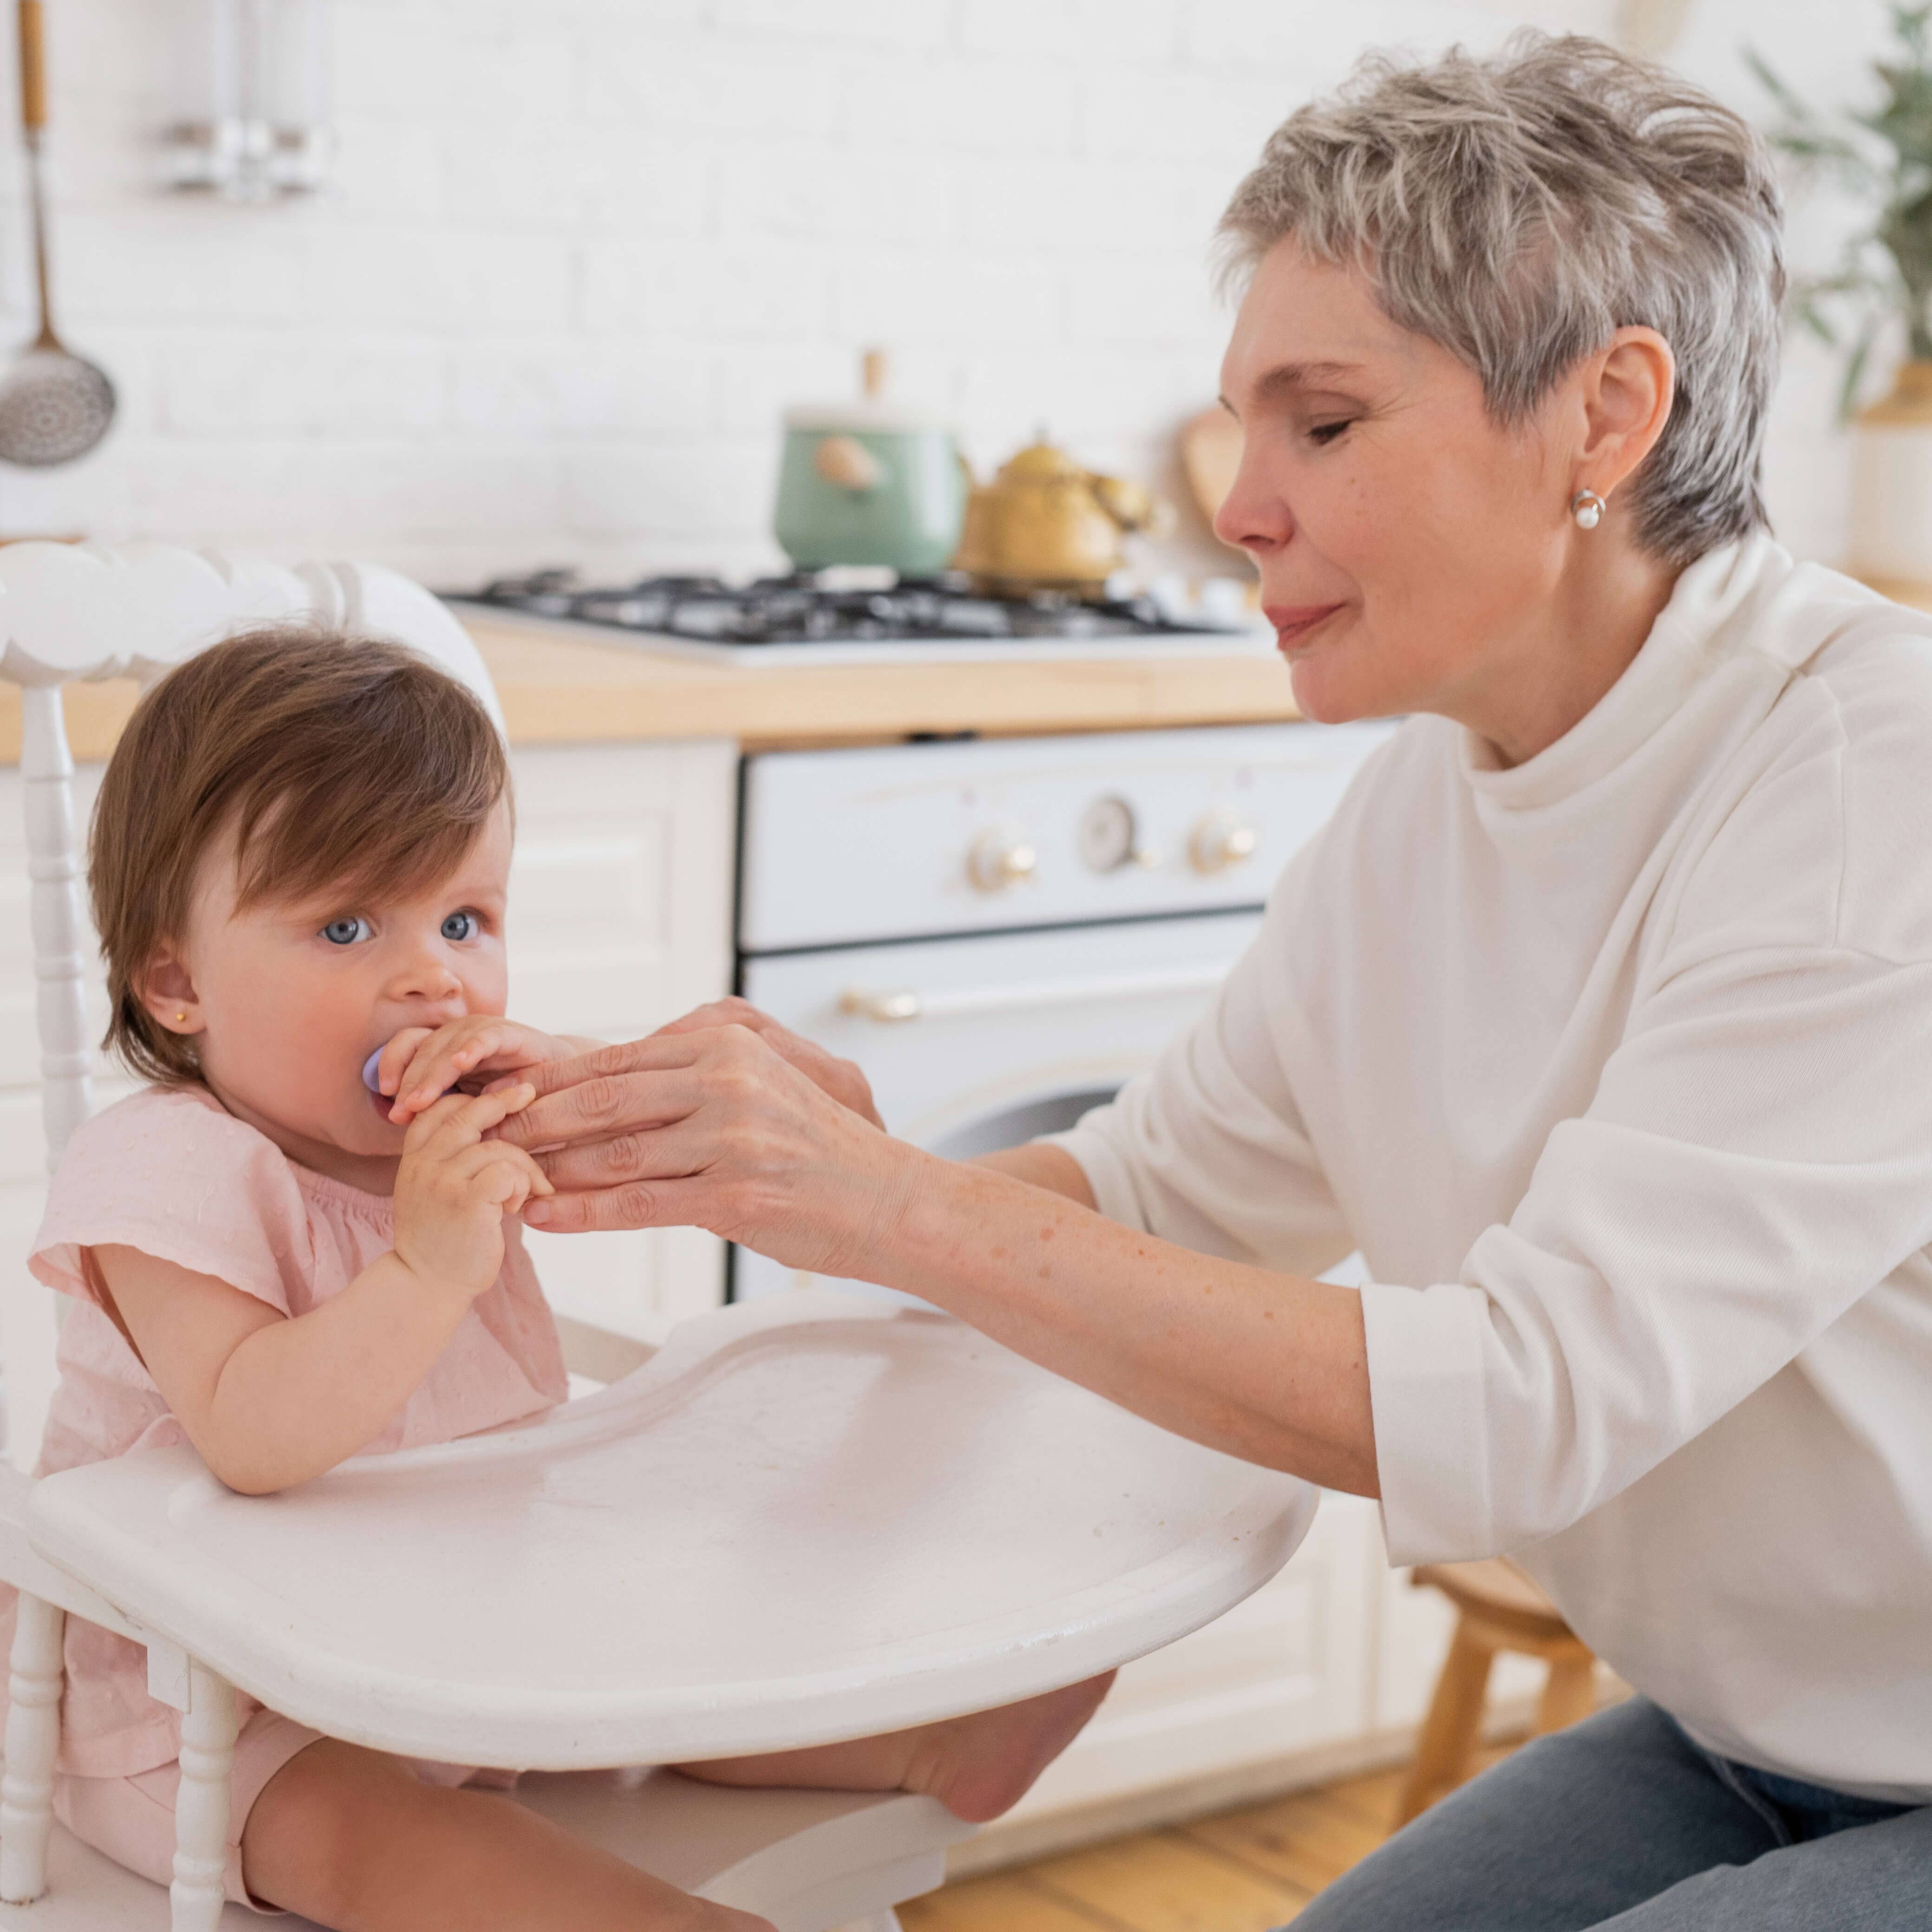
x,y
809,1518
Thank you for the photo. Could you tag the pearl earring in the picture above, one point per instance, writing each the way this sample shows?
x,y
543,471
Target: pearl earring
x,y
1587,509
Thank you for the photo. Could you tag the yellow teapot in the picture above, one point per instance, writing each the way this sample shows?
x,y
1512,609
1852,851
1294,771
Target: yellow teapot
x,y
1045,524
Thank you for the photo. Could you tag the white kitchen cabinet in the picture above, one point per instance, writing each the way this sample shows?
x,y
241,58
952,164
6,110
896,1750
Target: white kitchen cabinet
x,y
620,916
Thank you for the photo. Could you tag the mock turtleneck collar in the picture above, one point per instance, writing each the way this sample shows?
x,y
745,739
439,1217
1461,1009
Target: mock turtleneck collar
x,y
1693,632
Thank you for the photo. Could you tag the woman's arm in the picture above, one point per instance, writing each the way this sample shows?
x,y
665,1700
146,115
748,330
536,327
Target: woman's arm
x,y
1268,1366
1042,1166
716,1127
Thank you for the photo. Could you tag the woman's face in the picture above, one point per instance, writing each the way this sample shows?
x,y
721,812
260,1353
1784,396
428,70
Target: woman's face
x,y
1407,544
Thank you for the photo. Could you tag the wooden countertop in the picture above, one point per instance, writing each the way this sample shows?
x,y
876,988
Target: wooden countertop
x,y
557,689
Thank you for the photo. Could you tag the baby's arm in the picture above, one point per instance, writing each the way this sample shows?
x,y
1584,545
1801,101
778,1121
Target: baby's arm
x,y
270,1401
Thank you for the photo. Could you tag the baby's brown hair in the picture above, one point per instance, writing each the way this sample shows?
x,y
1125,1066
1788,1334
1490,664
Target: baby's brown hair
x,y
337,761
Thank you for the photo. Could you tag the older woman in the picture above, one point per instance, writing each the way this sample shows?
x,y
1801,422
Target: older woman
x,y
1599,1019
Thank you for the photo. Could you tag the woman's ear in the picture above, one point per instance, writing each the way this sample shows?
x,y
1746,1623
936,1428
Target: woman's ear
x,y
1627,389
167,989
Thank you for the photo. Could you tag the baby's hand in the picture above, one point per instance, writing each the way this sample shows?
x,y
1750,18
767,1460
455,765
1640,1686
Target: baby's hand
x,y
419,1065
454,1187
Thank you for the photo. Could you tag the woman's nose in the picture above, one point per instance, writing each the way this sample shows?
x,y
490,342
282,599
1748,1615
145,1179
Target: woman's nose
x,y
1253,515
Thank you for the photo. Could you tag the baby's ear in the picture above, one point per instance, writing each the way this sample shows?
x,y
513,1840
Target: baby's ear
x,y
165,988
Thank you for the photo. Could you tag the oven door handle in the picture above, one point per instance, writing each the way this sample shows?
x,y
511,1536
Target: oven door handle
x,y
891,1006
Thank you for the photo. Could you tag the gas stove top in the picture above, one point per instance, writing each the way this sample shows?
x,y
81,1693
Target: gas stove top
x,y
831,618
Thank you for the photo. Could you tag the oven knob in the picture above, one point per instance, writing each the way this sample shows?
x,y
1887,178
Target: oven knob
x,y
1220,841
1106,835
1001,858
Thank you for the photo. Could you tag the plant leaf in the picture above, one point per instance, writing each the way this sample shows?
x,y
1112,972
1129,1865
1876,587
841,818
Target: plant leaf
x,y
1855,369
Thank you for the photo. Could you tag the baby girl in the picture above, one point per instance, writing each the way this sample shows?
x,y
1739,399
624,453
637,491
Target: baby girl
x,y
299,862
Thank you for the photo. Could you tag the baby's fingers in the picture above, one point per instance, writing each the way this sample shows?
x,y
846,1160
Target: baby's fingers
x,y
460,1120
438,1063
504,1188
506,1175
395,1058
501,1154
447,1059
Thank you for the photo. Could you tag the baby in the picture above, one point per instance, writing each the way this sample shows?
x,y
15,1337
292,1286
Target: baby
x,y
299,863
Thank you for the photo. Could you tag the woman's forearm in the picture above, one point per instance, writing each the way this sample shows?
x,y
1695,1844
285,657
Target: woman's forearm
x,y
1042,1166
1269,1367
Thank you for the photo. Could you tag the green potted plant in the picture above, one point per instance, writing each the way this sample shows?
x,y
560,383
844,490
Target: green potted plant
x,y
1879,292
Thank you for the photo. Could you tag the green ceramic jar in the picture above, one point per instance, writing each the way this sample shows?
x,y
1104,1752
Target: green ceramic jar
x,y
869,483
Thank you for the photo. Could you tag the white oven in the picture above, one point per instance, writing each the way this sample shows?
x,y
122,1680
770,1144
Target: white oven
x,y
1001,932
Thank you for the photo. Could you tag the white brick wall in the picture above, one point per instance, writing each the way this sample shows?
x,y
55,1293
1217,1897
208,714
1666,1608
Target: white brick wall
x,y
578,256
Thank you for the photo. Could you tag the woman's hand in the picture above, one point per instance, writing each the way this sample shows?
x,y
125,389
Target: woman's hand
x,y
841,1078
454,1187
420,1064
718,1126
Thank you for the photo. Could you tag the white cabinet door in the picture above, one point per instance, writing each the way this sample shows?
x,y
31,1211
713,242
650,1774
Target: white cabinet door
x,y
1288,1669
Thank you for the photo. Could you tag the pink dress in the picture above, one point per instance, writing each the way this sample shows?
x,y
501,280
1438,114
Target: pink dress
x,y
170,1171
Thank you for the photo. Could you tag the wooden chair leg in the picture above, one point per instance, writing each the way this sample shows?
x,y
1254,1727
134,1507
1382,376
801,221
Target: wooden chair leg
x,y
33,1742
201,1809
1570,1694
1448,1735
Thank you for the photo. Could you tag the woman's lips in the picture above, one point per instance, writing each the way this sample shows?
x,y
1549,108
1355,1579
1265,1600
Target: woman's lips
x,y
1293,621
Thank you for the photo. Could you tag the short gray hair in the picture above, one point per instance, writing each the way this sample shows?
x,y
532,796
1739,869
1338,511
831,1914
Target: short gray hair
x,y
1518,209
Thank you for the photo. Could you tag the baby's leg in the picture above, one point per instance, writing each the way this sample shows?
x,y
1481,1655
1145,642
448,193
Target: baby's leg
x,y
977,1766
350,1838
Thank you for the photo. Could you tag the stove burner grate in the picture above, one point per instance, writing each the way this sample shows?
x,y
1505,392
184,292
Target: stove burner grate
x,y
800,609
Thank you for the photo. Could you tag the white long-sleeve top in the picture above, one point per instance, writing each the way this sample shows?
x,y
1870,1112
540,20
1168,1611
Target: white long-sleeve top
x,y
1617,1067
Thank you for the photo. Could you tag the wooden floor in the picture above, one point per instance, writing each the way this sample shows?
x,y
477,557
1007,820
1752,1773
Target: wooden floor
x,y
1243,1871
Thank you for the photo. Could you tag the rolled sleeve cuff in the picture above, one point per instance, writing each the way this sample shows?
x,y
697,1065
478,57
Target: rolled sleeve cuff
x,y
1107,1174
1426,1394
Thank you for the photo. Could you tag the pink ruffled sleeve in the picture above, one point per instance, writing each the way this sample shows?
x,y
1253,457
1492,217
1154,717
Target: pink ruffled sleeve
x,y
168,1172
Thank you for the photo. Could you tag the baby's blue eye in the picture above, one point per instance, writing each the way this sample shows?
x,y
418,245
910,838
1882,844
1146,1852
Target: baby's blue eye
x,y
459,926
345,932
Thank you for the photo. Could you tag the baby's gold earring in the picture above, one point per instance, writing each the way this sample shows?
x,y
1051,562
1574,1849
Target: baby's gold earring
x,y
180,1016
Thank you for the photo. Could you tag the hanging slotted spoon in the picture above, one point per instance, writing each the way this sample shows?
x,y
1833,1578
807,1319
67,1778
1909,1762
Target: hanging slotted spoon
x,y
54,406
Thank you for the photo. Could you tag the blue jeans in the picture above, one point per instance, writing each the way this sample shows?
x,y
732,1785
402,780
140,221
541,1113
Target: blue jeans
x,y
1621,1824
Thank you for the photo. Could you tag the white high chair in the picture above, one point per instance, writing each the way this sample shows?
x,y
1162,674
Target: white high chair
x,y
810,1518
